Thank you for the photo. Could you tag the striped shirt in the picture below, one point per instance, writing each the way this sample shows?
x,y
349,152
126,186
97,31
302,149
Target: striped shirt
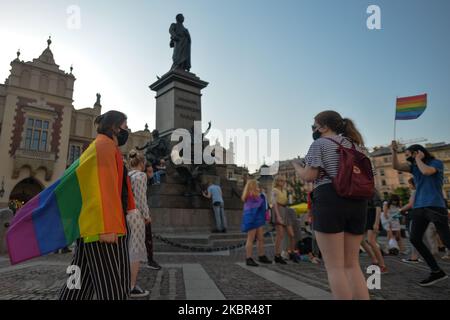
x,y
323,154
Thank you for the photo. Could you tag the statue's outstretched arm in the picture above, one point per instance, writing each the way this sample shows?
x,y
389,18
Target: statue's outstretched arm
x,y
144,147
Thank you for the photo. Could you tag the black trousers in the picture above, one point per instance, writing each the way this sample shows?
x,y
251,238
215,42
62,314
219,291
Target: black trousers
x,y
105,271
149,242
421,218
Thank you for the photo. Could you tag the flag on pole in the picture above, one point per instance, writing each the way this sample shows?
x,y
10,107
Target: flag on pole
x,y
409,108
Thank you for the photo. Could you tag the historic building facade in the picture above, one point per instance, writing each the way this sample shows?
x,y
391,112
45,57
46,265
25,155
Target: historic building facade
x,y
41,133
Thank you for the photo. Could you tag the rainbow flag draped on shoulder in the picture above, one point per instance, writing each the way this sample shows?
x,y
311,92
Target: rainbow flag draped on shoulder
x,y
409,108
85,202
254,215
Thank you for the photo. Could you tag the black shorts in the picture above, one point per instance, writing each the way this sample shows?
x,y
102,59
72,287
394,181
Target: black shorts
x,y
334,214
371,217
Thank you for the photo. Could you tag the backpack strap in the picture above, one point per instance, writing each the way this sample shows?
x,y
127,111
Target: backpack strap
x,y
340,144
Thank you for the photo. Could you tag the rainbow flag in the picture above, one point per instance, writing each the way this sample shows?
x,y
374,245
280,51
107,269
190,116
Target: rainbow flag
x,y
84,203
409,108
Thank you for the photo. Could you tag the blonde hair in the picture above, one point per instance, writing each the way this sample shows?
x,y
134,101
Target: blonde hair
x,y
250,189
135,158
277,180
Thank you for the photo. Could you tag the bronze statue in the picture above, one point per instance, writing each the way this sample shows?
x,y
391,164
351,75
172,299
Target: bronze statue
x,y
180,40
157,149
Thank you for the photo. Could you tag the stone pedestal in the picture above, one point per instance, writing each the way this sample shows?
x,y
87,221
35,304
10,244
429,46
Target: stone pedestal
x,y
178,101
173,209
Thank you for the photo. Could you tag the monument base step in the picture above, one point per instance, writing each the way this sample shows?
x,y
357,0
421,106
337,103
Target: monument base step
x,y
197,242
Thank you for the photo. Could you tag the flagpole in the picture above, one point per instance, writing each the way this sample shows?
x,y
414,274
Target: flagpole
x,y
395,131
395,120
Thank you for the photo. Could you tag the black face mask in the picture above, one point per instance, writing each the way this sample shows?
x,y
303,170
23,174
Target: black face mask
x,y
122,137
410,159
316,135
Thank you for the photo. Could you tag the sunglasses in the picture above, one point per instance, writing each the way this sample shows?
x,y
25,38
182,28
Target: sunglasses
x,y
314,127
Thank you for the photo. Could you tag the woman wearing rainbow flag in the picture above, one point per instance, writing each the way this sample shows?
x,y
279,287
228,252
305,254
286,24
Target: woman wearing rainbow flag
x,y
88,205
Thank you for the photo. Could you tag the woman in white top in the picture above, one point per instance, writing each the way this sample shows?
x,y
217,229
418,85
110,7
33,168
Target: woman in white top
x,y
137,221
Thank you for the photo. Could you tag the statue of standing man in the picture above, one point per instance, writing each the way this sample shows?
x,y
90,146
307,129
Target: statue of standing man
x,y
180,40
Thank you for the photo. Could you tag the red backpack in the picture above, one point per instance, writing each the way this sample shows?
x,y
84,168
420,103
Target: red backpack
x,y
355,175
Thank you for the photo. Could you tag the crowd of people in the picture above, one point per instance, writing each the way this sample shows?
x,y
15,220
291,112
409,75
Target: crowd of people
x,y
345,214
345,218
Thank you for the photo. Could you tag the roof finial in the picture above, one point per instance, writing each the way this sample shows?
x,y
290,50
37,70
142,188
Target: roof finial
x,y
146,127
71,68
18,54
49,41
98,102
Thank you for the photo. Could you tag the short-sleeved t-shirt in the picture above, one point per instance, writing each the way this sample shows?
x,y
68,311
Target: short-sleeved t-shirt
x,y
429,188
281,196
323,154
216,193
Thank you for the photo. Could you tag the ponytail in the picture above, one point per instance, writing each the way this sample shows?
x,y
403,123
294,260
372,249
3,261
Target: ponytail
x,y
351,132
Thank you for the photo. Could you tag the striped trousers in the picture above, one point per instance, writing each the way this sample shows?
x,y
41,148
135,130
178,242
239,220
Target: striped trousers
x,y
104,271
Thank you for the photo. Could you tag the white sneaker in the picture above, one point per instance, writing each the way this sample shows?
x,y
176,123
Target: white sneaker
x,y
411,261
285,255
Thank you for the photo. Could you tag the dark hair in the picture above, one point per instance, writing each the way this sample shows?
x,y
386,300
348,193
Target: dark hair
x,y
411,181
344,126
108,121
394,198
418,147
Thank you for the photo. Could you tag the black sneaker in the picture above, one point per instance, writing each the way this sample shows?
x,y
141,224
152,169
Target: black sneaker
x,y
137,292
250,262
434,277
293,257
153,265
264,259
279,259
224,231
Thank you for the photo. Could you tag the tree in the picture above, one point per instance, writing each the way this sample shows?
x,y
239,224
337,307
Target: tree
x,y
403,193
299,192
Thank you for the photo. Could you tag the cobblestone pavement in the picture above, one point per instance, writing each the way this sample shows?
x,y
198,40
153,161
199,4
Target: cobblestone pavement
x,y
220,277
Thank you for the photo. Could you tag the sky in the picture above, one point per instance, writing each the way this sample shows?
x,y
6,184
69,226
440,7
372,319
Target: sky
x,y
269,64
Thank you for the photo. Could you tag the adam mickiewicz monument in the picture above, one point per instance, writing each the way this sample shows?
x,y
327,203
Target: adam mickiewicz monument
x,y
180,40
177,203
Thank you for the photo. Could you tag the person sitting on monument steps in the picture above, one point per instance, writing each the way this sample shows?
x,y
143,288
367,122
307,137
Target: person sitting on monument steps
x,y
253,221
214,192
159,170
